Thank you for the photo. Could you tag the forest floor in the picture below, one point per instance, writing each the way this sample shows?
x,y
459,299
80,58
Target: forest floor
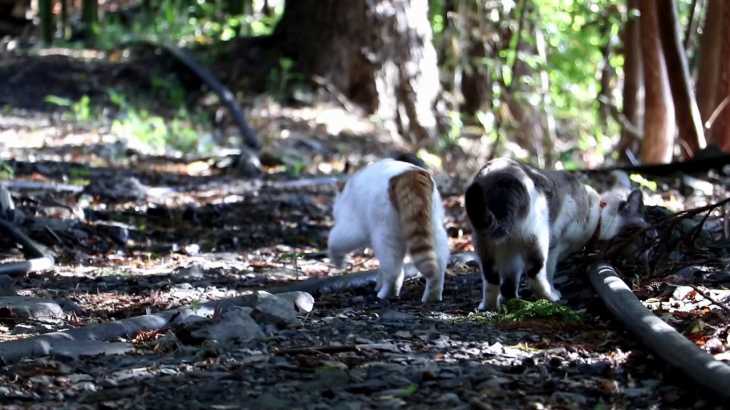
x,y
134,233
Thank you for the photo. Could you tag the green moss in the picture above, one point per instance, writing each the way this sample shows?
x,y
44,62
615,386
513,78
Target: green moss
x,y
517,310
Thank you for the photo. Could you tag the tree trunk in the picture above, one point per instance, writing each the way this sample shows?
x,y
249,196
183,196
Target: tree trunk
x,y
474,79
377,52
714,70
89,15
633,92
45,9
659,126
710,59
691,131
720,128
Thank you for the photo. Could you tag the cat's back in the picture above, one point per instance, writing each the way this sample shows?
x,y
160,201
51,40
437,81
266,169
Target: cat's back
x,y
376,176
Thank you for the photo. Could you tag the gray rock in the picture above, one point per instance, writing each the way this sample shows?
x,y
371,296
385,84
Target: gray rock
x,y
681,292
303,301
25,307
7,286
234,325
274,310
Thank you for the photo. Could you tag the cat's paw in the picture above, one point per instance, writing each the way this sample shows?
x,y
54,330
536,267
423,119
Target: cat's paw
x,y
432,293
431,297
491,305
554,295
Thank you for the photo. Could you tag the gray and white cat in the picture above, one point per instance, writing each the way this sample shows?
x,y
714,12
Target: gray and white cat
x,y
524,220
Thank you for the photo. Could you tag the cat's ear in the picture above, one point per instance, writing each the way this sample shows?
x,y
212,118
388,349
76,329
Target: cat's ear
x,y
635,202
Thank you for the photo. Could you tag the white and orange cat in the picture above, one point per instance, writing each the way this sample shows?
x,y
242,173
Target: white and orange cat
x,y
524,220
394,208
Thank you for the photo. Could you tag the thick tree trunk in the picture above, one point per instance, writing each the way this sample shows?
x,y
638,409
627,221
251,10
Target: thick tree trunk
x,y
633,92
659,126
474,78
710,59
691,131
714,89
45,9
377,52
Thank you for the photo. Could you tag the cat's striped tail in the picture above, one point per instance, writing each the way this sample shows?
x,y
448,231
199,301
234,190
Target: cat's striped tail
x,y
411,193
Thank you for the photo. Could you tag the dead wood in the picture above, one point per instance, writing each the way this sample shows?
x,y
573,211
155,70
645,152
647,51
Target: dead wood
x,y
656,334
38,259
50,343
95,336
319,286
41,186
704,161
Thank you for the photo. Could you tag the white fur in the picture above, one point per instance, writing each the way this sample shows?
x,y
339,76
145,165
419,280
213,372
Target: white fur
x,y
365,217
567,233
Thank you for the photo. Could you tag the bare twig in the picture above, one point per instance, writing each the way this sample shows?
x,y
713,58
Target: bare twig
x,y
711,299
716,113
690,24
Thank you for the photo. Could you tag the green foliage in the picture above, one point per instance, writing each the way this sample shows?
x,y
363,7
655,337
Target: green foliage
x,y
6,171
81,110
139,124
183,23
517,310
282,78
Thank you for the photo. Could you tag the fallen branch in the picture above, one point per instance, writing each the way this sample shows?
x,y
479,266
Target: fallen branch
x,y
661,338
52,343
710,299
38,259
20,185
94,336
703,161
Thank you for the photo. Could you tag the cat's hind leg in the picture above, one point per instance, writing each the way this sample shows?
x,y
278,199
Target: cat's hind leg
x,y
344,238
538,278
390,253
435,280
490,280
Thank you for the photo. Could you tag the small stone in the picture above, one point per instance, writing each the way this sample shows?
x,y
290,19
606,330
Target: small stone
x,y
79,377
391,315
681,292
303,301
236,324
23,307
275,310
7,286
348,405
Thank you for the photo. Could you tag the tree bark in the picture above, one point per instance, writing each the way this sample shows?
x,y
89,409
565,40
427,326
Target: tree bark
x,y
659,125
633,92
377,52
45,9
474,79
710,59
720,128
691,131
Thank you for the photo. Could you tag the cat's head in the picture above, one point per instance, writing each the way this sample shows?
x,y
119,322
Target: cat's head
x,y
621,213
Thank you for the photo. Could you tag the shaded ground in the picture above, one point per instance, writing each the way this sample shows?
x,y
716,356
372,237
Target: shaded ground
x,y
134,233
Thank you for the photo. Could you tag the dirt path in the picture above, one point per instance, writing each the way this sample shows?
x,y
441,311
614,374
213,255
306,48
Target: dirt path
x,y
174,235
